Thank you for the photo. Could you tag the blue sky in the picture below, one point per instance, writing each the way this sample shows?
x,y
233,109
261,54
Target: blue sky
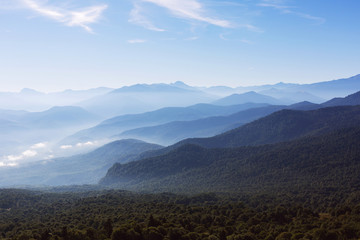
x,y
52,45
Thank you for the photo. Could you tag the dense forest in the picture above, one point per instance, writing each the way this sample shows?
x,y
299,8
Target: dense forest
x,y
111,214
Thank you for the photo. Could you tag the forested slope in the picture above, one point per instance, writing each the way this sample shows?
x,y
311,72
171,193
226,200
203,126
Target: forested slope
x,y
330,161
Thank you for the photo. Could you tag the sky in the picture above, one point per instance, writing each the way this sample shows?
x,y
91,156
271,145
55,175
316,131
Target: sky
x,y
52,45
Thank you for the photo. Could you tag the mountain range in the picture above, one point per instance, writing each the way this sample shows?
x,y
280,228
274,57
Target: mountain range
x,y
117,125
143,97
146,97
247,119
254,156
172,132
35,101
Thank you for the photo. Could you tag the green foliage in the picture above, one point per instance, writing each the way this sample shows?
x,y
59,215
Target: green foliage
x,y
128,216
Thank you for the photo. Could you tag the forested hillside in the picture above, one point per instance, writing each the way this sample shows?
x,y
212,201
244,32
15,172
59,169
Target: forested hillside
x,y
119,215
284,125
280,126
330,161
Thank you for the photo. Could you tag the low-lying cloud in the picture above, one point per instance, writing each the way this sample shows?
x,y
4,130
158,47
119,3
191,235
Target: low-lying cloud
x,y
64,147
78,145
11,164
26,154
33,151
85,144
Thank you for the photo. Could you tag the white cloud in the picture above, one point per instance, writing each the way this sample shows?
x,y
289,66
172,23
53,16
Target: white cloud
x,y
192,38
14,157
45,10
251,27
66,147
273,4
49,156
84,144
136,41
38,146
11,164
190,9
226,4
318,20
26,154
247,41
223,37
86,16
136,17
10,4
29,153
280,5
81,18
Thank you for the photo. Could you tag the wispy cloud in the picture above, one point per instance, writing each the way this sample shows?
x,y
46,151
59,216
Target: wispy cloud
x,y
318,20
277,4
79,145
80,18
86,144
223,37
192,38
64,147
31,152
26,154
39,145
226,4
190,9
86,16
11,164
132,41
286,9
246,41
10,5
251,28
137,17
185,9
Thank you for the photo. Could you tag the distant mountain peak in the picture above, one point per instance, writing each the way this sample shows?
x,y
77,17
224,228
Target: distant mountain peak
x,y
30,91
157,87
180,83
247,97
251,93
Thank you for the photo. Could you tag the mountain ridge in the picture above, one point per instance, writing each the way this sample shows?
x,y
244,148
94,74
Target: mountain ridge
x,y
296,164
